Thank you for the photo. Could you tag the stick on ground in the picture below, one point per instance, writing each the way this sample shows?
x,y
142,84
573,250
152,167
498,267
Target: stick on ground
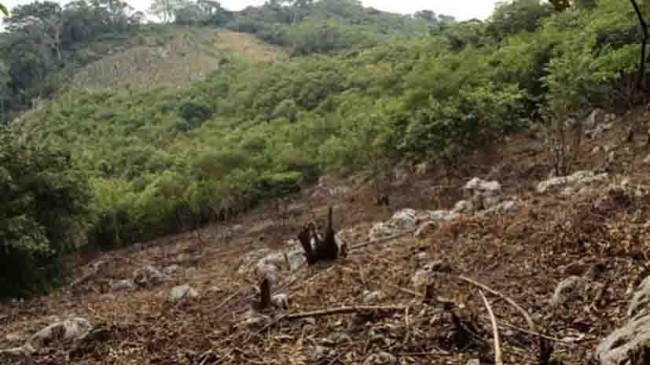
x,y
344,310
514,304
498,356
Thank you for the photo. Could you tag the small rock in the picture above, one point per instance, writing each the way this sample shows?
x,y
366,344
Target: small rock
x,y
148,276
171,270
596,117
473,362
67,330
296,259
579,178
322,352
372,297
463,206
381,358
569,289
280,301
504,207
421,256
255,319
404,219
421,169
336,338
380,230
122,286
213,290
599,130
485,187
425,229
182,292
267,271
309,321
438,266
442,215
423,276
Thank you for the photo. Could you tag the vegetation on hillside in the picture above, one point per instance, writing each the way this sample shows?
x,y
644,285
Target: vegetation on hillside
x,y
172,58
45,42
44,213
163,160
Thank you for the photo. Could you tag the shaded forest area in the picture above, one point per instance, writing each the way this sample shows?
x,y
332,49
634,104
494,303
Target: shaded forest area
x,y
364,91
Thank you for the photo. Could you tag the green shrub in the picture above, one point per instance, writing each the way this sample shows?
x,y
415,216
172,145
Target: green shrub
x,y
43,213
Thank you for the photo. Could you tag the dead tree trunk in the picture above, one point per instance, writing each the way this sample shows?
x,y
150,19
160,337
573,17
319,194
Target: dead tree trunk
x,y
317,247
265,296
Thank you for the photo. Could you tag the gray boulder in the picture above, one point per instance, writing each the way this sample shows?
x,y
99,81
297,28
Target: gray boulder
x,y
640,303
616,348
631,338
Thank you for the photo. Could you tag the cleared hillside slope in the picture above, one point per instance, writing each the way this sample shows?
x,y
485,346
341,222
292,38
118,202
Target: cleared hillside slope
x,y
173,60
595,232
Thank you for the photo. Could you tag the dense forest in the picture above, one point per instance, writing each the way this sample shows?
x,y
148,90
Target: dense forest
x,y
361,92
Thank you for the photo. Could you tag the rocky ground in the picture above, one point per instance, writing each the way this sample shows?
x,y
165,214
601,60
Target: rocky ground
x,y
561,262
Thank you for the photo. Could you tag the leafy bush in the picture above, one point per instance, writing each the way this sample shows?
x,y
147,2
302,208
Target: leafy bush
x,y
43,213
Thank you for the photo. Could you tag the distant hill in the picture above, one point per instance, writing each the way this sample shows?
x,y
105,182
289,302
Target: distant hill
x,y
183,56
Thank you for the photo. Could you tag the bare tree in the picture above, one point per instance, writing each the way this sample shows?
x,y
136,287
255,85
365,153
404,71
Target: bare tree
x,y
642,60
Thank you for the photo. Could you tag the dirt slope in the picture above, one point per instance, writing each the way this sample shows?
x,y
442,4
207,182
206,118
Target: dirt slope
x,y
598,233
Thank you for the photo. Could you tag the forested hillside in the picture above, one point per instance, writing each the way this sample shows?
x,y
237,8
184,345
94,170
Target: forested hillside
x,y
363,92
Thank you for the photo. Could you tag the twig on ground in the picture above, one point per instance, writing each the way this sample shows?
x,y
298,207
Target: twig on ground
x,y
498,356
537,334
343,310
380,240
225,301
510,301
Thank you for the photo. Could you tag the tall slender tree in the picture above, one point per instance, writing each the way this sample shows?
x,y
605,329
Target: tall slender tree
x,y
644,41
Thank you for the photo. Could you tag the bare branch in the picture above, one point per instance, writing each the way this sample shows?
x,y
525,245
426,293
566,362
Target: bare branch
x,y
498,356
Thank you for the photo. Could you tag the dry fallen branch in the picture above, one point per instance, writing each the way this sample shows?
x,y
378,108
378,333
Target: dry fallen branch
x,y
514,304
380,240
498,356
344,310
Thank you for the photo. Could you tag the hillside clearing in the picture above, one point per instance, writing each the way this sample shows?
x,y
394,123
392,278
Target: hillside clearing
x,y
175,60
523,254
